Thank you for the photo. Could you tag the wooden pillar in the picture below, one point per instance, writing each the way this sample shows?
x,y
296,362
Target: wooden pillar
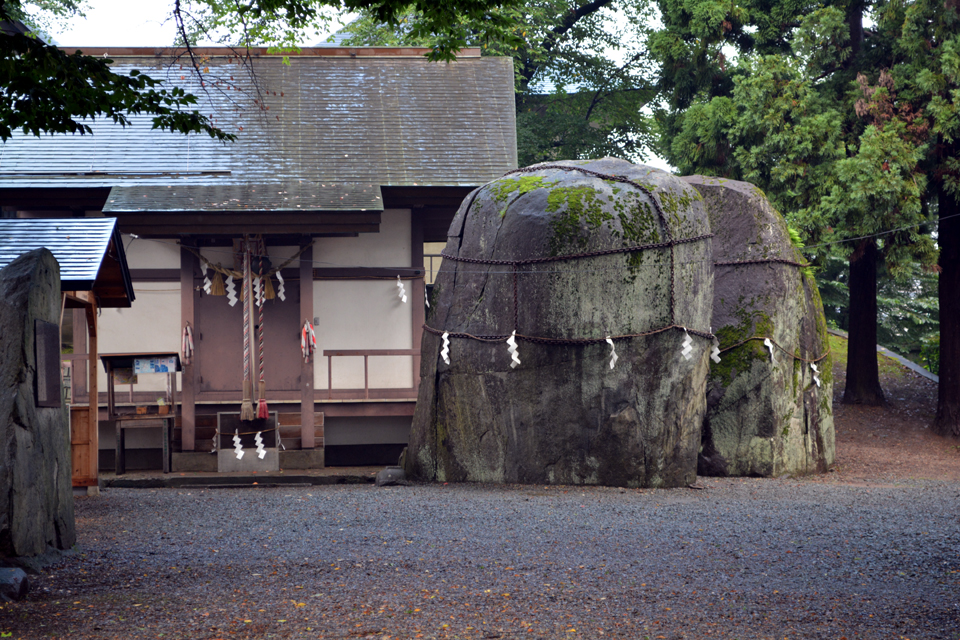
x,y
94,399
417,288
188,296
79,346
83,452
307,424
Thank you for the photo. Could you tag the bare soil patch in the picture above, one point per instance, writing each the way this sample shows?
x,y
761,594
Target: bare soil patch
x,y
892,444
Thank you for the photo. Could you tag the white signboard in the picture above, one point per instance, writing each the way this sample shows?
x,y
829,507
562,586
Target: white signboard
x,y
155,365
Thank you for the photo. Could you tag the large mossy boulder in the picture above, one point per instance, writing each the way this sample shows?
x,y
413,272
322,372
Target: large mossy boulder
x,y
36,492
563,415
766,416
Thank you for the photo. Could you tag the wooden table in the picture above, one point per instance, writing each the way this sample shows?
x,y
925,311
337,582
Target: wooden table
x,y
123,421
129,421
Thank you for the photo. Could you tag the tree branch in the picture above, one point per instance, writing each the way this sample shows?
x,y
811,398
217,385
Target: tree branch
x,y
530,67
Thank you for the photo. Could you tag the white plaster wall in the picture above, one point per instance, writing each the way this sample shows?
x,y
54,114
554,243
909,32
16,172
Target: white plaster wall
x,y
388,248
363,314
152,323
218,255
151,254
385,430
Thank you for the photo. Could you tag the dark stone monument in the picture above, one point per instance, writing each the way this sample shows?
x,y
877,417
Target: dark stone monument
x,y
13,584
563,415
36,496
765,416
391,477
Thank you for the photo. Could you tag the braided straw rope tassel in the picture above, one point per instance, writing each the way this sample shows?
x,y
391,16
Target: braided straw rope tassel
x,y
216,286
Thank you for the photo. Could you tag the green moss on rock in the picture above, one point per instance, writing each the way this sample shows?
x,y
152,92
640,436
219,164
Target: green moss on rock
x,y
503,189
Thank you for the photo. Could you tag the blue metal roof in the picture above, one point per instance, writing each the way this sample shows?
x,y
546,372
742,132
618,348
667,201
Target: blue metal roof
x,y
82,246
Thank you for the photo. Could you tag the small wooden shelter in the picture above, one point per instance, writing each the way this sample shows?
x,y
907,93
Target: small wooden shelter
x,y
93,275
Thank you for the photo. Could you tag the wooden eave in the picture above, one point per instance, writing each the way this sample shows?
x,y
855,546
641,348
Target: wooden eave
x,y
54,198
232,223
436,206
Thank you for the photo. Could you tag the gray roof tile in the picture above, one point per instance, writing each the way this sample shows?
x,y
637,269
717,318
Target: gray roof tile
x,y
335,126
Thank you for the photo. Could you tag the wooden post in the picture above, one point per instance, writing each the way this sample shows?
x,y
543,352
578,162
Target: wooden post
x,y
80,440
170,423
94,399
417,288
79,346
307,423
188,411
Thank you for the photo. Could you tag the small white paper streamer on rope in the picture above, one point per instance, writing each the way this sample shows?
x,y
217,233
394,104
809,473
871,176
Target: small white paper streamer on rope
x,y
261,452
769,345
236,444
816,371
401,292
281,292
257,292
231,291
687,350
715,351
426,298
512,348
206,281
445,351
613,352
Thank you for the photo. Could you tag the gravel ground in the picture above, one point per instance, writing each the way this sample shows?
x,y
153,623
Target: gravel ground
x,y
741,558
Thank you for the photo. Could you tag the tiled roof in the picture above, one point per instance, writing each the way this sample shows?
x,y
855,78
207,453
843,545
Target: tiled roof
x,y
333,127
292,195
80,246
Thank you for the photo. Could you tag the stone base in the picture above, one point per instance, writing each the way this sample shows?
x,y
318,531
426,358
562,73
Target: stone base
x,y
193,461
91,491
227,461
292,459
301,459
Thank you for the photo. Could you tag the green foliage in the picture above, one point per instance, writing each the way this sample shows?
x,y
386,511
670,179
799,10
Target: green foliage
x,y
930,354
45,90
582,125
841,127
45,16
908,307
281,24
582,72
795,238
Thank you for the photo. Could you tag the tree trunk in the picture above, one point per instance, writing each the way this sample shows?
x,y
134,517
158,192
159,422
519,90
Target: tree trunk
x,y
947,422
855,23
863,374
